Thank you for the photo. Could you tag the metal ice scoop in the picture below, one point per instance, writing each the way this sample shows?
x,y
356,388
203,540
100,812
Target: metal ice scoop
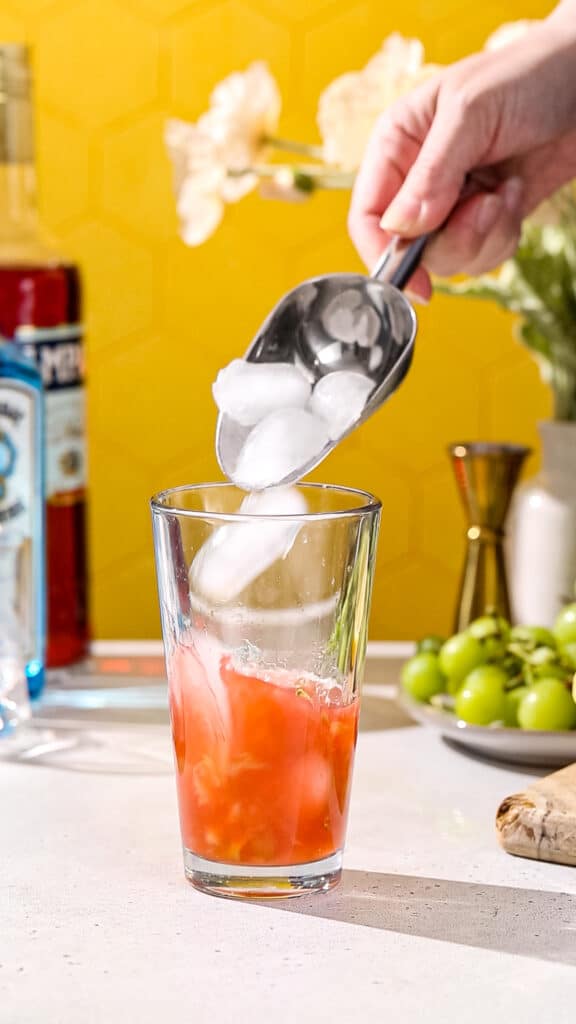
x,y
336,322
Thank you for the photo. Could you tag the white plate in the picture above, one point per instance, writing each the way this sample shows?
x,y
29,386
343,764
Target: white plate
x,y
515,746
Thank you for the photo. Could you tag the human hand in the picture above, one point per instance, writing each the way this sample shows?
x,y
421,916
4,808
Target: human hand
x,y
506,117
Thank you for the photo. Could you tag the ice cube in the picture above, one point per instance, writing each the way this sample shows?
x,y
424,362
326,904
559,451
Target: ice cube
x,y
368,326
375,358
339,399
278,501
281,444
249,391
349,318
338,316
237,554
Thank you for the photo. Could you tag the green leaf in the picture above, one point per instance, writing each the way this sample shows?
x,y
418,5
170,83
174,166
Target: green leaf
x,y
539,284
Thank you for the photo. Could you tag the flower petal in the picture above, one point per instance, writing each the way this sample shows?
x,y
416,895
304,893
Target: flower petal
x,y
200,218
177,138
244,111
350,105
235,188
508,33
194,156
200,213
251,97
230,136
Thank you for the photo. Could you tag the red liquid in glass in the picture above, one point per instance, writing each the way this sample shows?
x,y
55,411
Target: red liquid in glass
x,y
49,297
264,765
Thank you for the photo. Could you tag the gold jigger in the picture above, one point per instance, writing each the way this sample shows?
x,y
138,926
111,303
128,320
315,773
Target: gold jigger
x,y
486,475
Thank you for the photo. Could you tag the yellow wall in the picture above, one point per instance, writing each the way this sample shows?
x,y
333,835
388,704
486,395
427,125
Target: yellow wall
x,y
162,318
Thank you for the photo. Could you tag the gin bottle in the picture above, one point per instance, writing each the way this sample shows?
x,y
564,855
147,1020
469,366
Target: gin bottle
x,y
22,541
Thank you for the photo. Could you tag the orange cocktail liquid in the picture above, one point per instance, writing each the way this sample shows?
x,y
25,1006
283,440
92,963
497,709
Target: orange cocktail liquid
x,y
264,761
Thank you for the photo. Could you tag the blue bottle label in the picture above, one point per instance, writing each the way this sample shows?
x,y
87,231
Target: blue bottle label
x,y
19,568
57,352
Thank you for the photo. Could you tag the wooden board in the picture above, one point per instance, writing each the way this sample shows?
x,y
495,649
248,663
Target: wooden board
x,y
540,823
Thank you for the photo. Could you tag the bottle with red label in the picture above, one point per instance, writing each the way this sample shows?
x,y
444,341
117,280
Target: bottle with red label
x,y
40,311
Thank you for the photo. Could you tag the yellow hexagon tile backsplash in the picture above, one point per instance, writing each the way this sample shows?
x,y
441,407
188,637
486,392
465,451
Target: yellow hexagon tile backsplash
x,y
162,318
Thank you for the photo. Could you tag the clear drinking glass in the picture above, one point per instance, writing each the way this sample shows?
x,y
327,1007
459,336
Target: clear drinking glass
x,y
264,619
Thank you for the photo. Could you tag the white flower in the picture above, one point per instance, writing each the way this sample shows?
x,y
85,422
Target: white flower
x,y
350,105
210,156
198,180
508,33
244,112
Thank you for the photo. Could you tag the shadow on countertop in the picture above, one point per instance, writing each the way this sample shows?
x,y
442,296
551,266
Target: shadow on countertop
x,y
525,922
379,713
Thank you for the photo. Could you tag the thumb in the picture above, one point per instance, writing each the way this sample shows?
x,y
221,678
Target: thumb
x,y
434,183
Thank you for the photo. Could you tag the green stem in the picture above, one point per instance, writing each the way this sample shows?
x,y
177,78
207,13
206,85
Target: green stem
x,y
307,179
336,180
260,170
540,333
290,146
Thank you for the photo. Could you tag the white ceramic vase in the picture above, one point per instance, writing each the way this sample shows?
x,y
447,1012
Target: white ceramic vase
x,y
542,531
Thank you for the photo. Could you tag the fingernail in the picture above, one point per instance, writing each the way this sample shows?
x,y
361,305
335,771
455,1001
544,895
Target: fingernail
x,y
402,215
415,299
487,213
512,193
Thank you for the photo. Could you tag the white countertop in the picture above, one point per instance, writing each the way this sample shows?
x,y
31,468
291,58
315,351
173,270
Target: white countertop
x,y
431,922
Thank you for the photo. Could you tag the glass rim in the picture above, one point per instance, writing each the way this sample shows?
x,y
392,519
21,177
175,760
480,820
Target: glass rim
x,y
158,504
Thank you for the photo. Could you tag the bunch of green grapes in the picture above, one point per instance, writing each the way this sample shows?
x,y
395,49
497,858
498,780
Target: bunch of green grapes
x,y
492,673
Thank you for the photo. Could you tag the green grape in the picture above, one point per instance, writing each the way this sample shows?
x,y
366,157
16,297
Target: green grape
x,y
547,671
548,704
532,636
481,698
489,625
421,676
429,645
544,663
460,655
513,698
565,625
511,662
493,632
568,654
543,656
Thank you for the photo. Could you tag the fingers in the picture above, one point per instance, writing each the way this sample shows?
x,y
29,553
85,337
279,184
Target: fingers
x,y
452,147
379,177
431,188
414,167
411,177
480,234
419,288
391,151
